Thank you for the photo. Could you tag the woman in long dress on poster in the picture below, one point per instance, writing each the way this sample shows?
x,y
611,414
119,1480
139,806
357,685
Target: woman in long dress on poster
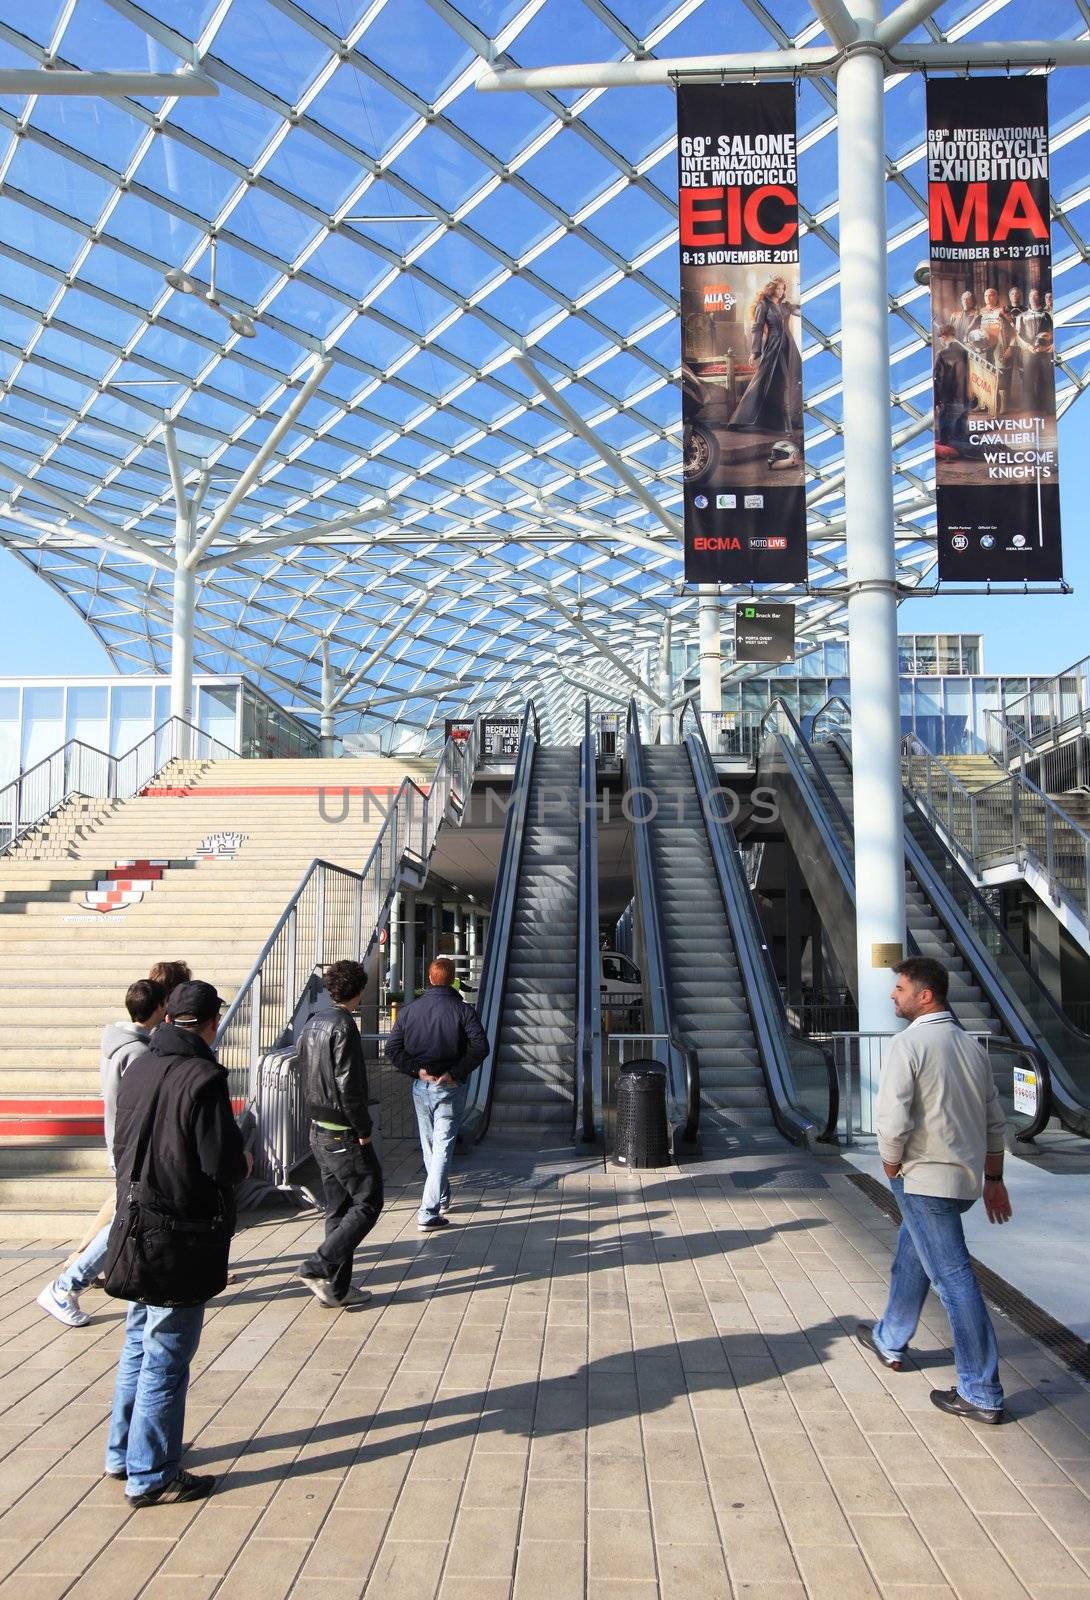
x,y
773,401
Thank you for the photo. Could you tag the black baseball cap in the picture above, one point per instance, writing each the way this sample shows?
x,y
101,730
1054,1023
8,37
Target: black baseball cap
x,y
195,1003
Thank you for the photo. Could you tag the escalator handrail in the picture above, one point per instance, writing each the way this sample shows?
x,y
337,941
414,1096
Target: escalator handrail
x,y
587,1106
1039,1121
825,708
493,980
683,1064
759,982
982,906
832,800
1007,1005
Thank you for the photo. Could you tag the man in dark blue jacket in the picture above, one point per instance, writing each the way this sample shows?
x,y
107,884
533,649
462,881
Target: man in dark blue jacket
x,y
437,1041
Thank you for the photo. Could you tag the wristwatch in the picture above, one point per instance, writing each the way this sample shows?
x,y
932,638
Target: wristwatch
x,y
993,1178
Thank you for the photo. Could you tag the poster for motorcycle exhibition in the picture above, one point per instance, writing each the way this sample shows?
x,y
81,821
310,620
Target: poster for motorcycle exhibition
x,y
996,460
745,506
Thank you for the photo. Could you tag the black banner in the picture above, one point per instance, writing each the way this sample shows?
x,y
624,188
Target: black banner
x,y
996,460
745,507
764,632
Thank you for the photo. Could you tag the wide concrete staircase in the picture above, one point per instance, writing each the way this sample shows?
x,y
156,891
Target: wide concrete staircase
x,y
974,772
65,966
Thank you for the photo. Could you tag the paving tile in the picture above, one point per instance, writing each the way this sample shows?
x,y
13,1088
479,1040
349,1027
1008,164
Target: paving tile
x,y
406,1571
550,1569
483,1544
1033,1551
620,1544
693,1572
554,1508
832,1572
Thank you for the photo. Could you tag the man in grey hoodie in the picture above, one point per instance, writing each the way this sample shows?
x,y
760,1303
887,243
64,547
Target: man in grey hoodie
x,y
122,1044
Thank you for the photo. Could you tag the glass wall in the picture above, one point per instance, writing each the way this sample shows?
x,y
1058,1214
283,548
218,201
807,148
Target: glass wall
x,y
38,715
944,698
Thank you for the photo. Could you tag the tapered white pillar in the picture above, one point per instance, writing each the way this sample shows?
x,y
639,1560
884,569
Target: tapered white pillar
x,y
327,739
666,684
181,631
711,652
872,606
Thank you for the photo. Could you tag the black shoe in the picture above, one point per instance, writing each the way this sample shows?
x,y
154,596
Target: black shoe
x,y
186,1486
118,1477
864,1332
955,1405
433,1224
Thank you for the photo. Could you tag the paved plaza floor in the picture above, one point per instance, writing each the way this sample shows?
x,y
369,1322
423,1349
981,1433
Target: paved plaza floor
x,y
622,1387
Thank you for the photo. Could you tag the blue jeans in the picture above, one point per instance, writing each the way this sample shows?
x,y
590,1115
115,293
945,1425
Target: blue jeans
x,y
149,1395
87,1266
931,1252
438,1116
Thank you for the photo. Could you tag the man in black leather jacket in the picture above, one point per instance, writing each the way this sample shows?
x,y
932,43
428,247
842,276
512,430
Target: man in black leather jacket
x,y
335,1085
437,1041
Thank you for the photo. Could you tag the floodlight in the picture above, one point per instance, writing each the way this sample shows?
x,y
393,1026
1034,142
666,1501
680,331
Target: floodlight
x,y
184,282
242,325
922,274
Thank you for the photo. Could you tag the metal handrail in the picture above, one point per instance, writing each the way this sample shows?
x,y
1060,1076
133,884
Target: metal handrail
x,y
992,823
76,768
337,913
998,970
826,709
1056,722
588,1052
683,1064
759,979
493,978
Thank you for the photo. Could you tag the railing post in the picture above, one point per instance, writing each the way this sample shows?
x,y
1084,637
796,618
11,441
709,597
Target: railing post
x,y
1016,816
292,983
319,919
357,919
974,827
255,1020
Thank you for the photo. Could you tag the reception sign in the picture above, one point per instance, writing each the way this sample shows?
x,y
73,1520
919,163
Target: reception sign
x,y
996,462
745,508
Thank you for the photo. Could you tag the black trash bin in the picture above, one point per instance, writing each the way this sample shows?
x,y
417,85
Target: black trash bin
x,y
643,1133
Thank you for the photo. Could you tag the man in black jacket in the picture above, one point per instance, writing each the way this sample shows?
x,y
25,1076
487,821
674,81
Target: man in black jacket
x,y
335,1085
179,1157
437,1041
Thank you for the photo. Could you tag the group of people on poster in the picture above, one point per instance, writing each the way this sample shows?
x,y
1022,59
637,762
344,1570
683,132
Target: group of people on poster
x,y
1014,338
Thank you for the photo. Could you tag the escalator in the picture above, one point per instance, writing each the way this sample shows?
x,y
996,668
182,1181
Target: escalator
x,y
992,990
534,1001
534,1090
712,990
926,931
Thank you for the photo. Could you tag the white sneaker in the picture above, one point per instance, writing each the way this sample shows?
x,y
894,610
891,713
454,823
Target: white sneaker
x,y
356,1297
320,1288
63,1306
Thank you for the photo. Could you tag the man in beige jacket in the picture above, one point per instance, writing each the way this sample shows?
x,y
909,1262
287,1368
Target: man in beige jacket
x,y
940,1128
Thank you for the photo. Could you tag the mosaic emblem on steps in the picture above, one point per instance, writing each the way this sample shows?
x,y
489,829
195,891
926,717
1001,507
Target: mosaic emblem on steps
x,y
125,884
222,846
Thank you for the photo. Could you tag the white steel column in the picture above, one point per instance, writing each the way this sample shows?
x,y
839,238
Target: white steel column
x,y
666,684
326,733
711,655
181,632
868,493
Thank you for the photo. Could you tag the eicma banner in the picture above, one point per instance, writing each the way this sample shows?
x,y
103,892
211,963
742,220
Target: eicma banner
x,y
996,463
745,506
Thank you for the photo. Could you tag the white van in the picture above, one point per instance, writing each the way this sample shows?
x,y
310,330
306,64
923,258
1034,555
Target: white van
x,y
621,990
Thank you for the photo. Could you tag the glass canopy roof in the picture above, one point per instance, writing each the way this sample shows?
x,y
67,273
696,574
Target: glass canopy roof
x,y
365,202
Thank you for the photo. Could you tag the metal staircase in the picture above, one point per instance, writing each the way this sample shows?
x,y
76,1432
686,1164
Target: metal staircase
x,y
929,935
535,1053
711,1012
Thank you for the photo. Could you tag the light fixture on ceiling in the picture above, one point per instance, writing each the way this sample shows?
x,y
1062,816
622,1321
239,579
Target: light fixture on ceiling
x,y
240,322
